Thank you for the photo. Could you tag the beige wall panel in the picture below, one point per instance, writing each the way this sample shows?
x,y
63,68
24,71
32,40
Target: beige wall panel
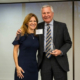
x,y
77,39
44,0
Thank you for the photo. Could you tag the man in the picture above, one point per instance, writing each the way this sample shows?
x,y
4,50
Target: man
x,y
55,35
57,65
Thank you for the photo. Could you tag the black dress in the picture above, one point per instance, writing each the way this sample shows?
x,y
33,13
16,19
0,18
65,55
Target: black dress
x,y
27,56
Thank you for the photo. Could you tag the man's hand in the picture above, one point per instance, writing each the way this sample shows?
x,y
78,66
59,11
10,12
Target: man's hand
x,y
56,52
18,32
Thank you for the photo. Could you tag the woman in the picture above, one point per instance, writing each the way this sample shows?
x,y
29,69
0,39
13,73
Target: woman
x,y
27,42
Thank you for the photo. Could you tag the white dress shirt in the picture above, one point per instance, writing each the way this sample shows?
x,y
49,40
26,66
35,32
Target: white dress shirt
x,y
45,34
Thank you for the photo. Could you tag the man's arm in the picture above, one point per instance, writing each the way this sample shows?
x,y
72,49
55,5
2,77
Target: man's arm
x,y
18,32
67,41
67,44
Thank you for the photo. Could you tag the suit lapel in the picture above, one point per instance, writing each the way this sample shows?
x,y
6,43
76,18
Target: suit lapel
x,y
43,36
55,32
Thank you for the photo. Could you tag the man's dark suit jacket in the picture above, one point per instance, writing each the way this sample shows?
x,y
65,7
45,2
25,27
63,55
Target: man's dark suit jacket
x,y
61,41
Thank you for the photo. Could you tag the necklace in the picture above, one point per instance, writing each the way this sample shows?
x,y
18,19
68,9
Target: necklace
x,y
32,36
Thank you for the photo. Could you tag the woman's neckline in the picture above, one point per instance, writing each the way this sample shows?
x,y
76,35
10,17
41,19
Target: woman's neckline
x,y
30,33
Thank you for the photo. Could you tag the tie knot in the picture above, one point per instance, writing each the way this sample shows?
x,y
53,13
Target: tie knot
x,y
48,25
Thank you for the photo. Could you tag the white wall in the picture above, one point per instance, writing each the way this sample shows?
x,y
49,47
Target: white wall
x,y
10,1
10,21
11,18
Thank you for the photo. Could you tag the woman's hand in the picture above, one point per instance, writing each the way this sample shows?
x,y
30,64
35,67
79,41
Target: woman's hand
x,y
19,72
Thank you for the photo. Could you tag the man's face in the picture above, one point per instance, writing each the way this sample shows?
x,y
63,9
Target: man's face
x,y
47,14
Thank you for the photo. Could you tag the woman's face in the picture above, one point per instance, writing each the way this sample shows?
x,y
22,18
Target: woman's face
x,y
32,24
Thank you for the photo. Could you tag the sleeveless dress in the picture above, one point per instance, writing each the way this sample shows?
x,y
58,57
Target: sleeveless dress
x,y
27,56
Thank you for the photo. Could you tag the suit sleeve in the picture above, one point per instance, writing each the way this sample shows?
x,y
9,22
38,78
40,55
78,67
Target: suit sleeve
x,y
67,41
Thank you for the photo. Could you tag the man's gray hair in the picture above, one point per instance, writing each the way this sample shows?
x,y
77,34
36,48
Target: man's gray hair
x,y
47,6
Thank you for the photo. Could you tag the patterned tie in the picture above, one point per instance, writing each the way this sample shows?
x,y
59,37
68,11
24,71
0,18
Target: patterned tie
x,y
48,42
